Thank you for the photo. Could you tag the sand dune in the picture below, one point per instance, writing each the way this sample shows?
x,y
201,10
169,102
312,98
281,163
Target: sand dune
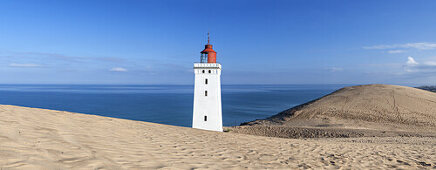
x,y
366,110
44,139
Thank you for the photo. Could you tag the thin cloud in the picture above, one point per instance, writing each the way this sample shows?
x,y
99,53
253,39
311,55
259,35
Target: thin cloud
x,y
24,65
412,66
396,51
419,46
68,58
118,69
411,61
335,69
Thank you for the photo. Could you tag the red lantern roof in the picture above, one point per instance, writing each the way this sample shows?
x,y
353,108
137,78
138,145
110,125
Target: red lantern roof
x,y
208,49
211,54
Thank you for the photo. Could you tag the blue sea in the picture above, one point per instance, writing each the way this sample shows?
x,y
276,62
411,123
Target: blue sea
x,y
166,104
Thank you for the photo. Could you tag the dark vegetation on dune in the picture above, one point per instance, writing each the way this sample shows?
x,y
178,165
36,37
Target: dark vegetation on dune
x,y
428,88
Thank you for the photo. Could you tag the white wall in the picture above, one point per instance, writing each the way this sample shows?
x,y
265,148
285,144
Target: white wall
x,y
209,105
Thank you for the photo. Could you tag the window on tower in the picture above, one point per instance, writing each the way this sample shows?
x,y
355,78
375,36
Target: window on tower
x,y
205,118
205,93
203,71
210,71
205,81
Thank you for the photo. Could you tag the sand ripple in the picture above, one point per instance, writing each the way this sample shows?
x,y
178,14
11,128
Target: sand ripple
x,y
44,139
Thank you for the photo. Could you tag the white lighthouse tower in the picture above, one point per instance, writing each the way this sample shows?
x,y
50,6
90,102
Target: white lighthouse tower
x,y
207,91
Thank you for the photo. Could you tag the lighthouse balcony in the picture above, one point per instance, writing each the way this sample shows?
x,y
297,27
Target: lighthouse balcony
x,y
207,65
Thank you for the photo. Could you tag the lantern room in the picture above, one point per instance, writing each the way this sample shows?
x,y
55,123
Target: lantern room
x,y
208,55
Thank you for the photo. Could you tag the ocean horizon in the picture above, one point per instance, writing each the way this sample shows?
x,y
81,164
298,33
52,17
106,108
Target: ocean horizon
x,y
165,104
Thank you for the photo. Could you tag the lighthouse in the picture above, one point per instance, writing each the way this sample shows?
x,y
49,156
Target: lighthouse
x,y
207,91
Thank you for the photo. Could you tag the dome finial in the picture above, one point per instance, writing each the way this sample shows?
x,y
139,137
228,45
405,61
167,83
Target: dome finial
x,y
208,38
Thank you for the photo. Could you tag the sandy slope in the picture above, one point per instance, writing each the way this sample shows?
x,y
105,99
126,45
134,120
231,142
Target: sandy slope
x,y
366,110
44,139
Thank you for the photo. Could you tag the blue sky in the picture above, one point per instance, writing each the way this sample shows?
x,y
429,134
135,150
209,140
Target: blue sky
x,y
258,42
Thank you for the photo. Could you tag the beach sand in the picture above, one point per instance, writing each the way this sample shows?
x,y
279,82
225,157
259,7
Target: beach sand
x,y
355,111
33,138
